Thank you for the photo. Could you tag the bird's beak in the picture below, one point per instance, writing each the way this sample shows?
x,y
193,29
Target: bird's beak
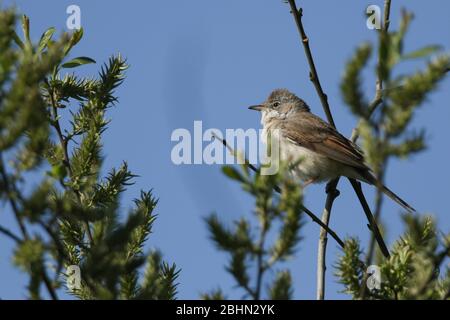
x,y
258,107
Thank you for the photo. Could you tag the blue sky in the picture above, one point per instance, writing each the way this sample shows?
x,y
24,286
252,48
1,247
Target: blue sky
x,y
209,60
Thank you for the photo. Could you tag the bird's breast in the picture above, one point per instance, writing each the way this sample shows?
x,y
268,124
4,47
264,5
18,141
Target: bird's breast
x,y
309,165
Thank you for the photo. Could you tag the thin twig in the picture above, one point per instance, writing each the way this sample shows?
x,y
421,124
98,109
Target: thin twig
x,y
48,285
10,234
249,291
387,13
278,190
323,239
324,226
313,72
372,223
260,257
378,205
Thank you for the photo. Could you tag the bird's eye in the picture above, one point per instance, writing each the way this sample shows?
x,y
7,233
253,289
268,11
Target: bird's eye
x,y
276,104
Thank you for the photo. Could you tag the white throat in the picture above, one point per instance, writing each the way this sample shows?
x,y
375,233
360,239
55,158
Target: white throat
x,y
267,116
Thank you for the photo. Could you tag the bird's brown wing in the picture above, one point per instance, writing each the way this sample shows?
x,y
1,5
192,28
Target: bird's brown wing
x,y
309,131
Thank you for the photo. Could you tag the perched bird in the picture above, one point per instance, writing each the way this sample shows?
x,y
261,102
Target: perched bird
x,y
319,152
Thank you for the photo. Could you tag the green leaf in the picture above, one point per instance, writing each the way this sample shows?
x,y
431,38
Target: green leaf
x,y
29,254
384,53
215,294
45,38
76,37
26,29
232,173
78,62
281,288
58,171
422,52
17,40
351,84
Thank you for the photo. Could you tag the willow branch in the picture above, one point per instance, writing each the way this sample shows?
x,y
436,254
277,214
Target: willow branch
x,y
64,145
439,259
323,239
314,77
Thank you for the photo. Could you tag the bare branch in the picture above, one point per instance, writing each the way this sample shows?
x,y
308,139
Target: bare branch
x,y
260,257
313,72
10,234
323,239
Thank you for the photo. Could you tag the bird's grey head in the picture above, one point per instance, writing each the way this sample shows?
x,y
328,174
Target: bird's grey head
x,y
279,105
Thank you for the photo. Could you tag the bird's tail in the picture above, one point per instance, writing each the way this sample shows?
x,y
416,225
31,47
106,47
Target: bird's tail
x,y
397,199
368,177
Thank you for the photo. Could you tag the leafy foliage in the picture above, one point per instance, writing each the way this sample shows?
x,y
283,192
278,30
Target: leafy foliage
x,y
250,252
351,81
213,295
386,134
412,271
51,125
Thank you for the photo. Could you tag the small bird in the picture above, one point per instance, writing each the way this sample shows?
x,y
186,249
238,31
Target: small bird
x,y
319,152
